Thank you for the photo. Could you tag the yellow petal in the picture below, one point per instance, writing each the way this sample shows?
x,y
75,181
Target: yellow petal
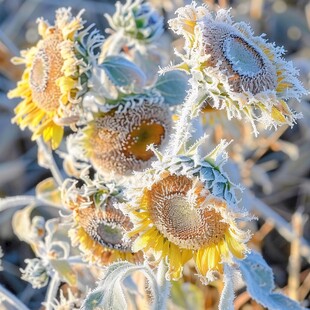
x,y
235,247
201,260
57,136
277,115
175,264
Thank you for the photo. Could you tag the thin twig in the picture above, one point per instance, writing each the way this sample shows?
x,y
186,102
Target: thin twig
x,y
256,9
295,259
50,162
304,289
263,148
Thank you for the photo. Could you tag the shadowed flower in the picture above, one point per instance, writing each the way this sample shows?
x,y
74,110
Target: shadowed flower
x,y
116,142
239,72
55,78
183,210
98,227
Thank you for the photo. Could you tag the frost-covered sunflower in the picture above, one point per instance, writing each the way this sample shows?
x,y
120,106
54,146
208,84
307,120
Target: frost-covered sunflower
x,y
98,226
239,72
183,209
137,20
55,77
116,142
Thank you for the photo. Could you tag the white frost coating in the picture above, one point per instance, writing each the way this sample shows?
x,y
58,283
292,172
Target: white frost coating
x,y
106,142
239,72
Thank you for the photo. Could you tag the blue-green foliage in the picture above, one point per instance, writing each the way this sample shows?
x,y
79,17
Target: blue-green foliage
x,y
123,72
258,277
173,87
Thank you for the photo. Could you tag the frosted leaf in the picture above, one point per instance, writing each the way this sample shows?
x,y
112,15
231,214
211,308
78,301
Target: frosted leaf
x,y
122,72
173,86
259,280
207,174
110,292
218,189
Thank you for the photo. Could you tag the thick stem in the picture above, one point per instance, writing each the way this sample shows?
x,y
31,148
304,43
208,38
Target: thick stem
x,y
52,291
163,284
11,299
183,126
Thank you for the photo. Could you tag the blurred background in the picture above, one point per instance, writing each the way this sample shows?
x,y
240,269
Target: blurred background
x,y
275,166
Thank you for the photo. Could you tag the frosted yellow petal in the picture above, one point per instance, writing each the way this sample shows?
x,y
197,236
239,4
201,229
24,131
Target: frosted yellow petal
x,y
235,247
277,115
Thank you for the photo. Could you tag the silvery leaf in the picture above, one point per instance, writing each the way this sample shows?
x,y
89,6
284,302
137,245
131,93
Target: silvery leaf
x,y
123,72
259,280
173,87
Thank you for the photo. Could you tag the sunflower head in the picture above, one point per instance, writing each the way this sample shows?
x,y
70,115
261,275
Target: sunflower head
x,y
116,142
186,210
55,77
237,70
99,227
138,20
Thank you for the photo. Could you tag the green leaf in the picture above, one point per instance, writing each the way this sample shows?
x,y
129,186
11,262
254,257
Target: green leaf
x,y
173,87
123,72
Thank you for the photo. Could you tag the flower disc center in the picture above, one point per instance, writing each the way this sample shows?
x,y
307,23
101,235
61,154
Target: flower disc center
x,y
244,58
39,72
138,139
45,71
109,234
177,216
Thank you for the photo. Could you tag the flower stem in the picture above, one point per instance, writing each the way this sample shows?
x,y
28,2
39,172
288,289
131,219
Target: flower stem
x,y
23,200
182,129
52,291
163,284
49,162
16,202
11,299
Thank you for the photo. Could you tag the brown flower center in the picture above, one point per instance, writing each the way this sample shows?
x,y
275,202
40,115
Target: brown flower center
x,y
146,134
180,218
116,142
46,69
105,227
246,66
